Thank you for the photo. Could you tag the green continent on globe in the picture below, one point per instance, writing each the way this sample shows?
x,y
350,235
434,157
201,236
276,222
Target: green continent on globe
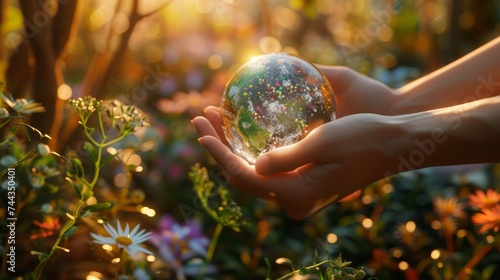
x,y
254,137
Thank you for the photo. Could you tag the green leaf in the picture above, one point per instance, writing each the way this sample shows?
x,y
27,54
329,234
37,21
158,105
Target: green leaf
x,y
360,274
75,188
77,167
106,160
97,207
303,271
90,149
329,273
43,257
268,265
88,194
70,232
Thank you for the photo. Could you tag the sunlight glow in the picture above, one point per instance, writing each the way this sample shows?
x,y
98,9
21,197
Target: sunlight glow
x,y
367,199
411,226
120,179
397,253
94,275
435,254
269,44
367,223
403,265
436,225
150,212
461,233
387,188
215,62
332,238
490,239
64,92
107,247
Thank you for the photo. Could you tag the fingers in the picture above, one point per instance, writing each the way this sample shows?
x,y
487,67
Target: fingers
x,y
290,157
213,115
204,127
237,168
340,77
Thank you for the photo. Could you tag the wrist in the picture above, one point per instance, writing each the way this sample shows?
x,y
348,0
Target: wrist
x,y
461,134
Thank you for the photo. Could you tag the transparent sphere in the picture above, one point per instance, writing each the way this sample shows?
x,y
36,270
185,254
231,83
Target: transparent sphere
x,y
272,101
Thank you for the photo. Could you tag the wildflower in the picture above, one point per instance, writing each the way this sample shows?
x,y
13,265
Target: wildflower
x,y
177,243
50,225
124,238
23,105
43,149
483,199
3,113
447,207
488,219
130,116
87,103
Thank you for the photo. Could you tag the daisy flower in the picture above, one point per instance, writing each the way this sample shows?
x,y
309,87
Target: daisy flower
x,y
483,199
488,219
23,105
124,238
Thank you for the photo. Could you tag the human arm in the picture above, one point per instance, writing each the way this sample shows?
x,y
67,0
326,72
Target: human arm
x,y
349,153
472,77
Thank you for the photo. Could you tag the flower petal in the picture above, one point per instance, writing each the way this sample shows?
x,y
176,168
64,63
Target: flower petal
x,y
111,230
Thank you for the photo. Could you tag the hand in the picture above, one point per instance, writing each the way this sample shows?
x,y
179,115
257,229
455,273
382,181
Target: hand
x,y
333,161
356,93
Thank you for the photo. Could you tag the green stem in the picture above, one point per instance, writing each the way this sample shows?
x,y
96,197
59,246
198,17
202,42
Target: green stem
x,y
332,263
76,214
213,242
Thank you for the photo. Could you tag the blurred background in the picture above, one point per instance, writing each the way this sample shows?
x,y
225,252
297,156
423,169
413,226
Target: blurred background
x,y
171,58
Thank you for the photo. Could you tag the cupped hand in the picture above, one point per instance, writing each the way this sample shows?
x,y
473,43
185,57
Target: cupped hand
x,y
357,93
333,161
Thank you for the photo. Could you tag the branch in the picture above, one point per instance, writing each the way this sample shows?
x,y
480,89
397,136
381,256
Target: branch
x,y
18,72
37,26
104,66
64,25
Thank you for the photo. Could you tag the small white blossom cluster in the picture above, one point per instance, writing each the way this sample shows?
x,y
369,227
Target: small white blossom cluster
x,y
85,106
129,116
123,116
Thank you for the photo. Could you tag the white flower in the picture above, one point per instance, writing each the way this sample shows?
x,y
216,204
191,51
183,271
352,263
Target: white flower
x,y
126,239
3,113
43,149
23,105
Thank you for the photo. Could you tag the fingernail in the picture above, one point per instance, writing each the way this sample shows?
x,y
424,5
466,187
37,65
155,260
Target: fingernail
x,y
200,140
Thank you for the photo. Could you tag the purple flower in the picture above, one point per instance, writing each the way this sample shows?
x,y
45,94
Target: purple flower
x,y
177,243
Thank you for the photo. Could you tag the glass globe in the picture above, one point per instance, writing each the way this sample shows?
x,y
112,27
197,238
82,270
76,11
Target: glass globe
x,y
272,101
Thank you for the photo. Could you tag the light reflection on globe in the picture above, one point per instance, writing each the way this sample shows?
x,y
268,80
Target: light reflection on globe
x,y
272,101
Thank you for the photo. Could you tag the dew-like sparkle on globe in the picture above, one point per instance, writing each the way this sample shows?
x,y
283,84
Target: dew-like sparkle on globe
x,y
272,101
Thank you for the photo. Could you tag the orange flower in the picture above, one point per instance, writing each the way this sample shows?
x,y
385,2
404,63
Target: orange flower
x,y
488,219
484,200
49,226
447,207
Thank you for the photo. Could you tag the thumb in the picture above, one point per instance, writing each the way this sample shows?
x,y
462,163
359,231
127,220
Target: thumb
x,y
289,157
